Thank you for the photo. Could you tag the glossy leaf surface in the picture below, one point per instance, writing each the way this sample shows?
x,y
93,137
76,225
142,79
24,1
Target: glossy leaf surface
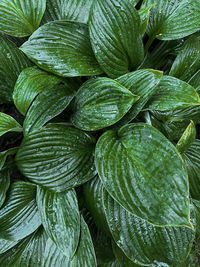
x,y
8,124
19,215
4,185
136,168
115,36
57,156
100,103
30,83
5,154
62,47
60,218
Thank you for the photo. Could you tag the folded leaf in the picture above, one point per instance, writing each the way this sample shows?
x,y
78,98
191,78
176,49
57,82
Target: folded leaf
x,y
13,61
30,83
19,216
172,94
4,185
100,103
144,243
57,156
62,47
144,14
173,19
60,217
145,174
8,124
115,36
140,82
84,256
5,154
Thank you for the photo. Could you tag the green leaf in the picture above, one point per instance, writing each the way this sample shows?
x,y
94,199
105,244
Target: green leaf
x,y
76,10
187,63
19,216
144,14
21,18
5,245
84,256
60,217
173,19
100,103
28,252
187,138
8,124
140,82
115,36
62,47
13,61
4,185
192,162
30,83
144,243
5,154
46,106
144,172
57,156
195,81
172,94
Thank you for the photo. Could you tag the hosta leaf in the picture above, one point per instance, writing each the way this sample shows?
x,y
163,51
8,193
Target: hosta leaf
x,y
5,154
60,217
173,19
8,124
5,245
21,17
4,185
57,156
13,61
77,10
144,18
62,47
28,252
115,36
46,106
30,83
142,83
187,63
172,94
19,216
187,138
192,161
84,256
100,103
144,172
144,243
195,81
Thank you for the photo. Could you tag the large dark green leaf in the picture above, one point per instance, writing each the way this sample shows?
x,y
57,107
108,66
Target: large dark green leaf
x,y
84,256
30,83
144,172
173,19
60,217
142,83
27,253
192,161
8,124
19,216
4,185
57,156
21,17
115,36
100,103
46,106
144,243
13,61
77,10
62,47
172,94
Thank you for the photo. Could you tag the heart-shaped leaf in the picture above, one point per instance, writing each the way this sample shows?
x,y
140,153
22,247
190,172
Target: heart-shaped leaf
x,y
60,217
8,124
19,215
4,185
30,83
144,243
13,61
144,172
84,256
115,36
57,156
21,18
62,47
100,103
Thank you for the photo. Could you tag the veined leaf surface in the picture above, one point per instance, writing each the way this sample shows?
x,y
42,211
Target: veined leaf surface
x,y
8,124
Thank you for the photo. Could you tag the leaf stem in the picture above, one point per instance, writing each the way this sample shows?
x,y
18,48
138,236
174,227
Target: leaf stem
x,y
149,43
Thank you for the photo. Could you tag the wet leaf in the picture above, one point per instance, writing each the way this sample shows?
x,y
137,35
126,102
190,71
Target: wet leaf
x,y
8,124
4,185
187,138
